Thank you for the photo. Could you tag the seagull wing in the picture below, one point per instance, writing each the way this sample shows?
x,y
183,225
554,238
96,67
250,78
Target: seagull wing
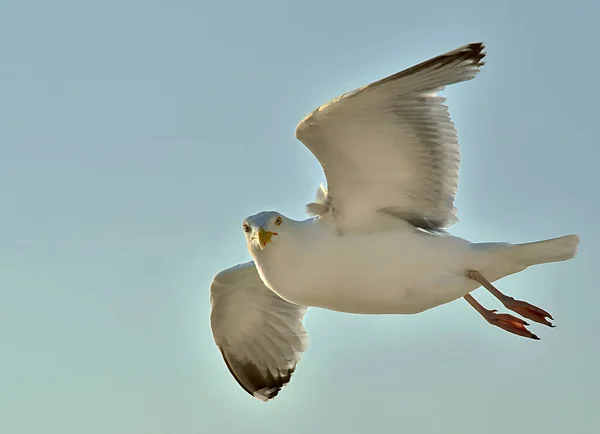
x,y
391,147
260,335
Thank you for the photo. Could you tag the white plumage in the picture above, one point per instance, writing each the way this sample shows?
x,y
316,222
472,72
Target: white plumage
x,y
377,242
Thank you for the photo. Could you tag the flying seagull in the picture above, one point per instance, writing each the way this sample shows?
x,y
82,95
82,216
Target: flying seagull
x,y
376,241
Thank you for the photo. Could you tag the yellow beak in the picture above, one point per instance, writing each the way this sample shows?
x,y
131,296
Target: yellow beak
x,y
264,237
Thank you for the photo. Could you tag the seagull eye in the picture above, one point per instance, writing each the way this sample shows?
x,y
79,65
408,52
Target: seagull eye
x,y
278,221
246,228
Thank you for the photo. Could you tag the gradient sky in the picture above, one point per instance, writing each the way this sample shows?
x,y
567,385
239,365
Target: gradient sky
x,y
136,135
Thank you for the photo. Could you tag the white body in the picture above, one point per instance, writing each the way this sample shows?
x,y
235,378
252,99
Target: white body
x,y
399,271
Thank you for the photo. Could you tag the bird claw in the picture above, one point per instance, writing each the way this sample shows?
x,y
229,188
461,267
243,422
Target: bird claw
x,y
529,311
510,323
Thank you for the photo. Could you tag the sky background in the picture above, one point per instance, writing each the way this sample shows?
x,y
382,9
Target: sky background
x,y
135,136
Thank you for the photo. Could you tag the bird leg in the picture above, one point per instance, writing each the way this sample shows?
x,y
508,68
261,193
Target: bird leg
x,y
505,321
523,308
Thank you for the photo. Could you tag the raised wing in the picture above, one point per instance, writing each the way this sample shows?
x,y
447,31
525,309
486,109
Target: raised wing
x,y
260,335
390,147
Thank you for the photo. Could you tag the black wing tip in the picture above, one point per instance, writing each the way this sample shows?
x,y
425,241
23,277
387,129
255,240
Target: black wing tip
x,y
261,386
473,52
475,46
276,383
469,55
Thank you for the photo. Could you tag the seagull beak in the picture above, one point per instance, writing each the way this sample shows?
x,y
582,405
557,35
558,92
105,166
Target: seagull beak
x,y
264,237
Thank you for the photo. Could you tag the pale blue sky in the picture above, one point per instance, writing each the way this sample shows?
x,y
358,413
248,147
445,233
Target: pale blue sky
x,y
136,135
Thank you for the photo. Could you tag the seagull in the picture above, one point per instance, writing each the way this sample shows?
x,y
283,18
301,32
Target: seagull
x,y
376,240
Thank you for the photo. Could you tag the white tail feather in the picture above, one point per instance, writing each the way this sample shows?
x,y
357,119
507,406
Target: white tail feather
x,y
542,252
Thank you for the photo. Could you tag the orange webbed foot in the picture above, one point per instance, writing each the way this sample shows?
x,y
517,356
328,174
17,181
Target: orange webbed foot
x,y
510,323
528,311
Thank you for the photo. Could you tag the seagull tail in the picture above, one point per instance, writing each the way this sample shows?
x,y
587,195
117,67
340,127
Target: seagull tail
x,y
542,252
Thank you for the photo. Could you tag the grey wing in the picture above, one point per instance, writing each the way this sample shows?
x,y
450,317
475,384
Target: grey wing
x,y
261,336
390,147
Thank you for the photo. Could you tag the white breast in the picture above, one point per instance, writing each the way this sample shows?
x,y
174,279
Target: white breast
x,y
400,271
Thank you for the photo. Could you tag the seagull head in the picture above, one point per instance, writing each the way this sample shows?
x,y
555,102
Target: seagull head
x,y
263,228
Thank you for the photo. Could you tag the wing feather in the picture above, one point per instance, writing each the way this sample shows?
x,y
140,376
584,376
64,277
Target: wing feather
x,y
390,147
261,336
